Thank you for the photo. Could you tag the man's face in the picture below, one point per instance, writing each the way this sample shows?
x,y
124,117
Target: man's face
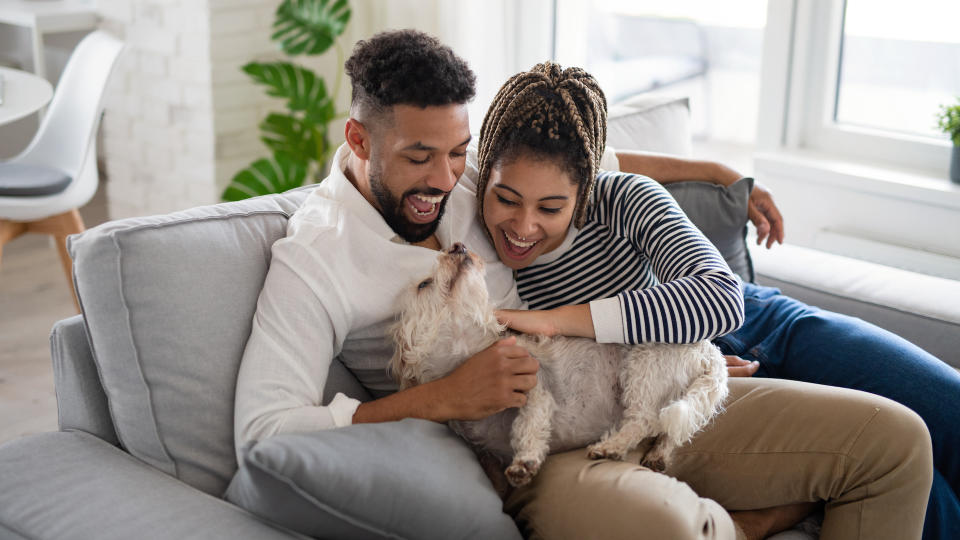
x,y
415,161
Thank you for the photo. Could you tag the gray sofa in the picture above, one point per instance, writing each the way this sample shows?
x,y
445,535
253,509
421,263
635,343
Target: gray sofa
x,y
145,382
145,377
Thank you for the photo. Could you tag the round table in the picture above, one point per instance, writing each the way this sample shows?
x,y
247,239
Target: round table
x,y
23,94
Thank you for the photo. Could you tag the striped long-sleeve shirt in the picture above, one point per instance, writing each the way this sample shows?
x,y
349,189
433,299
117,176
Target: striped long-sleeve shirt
x,y
647,272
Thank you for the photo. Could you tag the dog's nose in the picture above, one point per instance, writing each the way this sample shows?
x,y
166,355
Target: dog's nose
x,y
457,249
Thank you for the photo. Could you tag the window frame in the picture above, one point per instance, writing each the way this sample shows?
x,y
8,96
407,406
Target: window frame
x,y
800,72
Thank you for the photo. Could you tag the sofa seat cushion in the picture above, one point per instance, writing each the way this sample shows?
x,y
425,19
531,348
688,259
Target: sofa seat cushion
x,y
341,484
906,303
72,485
168,303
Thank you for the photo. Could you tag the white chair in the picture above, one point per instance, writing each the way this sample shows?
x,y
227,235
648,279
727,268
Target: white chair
x,y
42,188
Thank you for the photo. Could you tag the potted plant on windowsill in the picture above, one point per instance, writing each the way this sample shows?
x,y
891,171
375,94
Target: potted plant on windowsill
x,y
949,121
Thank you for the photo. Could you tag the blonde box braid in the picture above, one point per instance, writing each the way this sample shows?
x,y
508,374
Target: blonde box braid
x,y
552,100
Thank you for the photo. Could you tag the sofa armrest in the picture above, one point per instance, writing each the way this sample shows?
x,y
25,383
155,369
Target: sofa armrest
x,y
64,485
81,401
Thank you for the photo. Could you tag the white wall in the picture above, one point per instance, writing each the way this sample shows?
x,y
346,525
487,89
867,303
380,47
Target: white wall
x,y
181,118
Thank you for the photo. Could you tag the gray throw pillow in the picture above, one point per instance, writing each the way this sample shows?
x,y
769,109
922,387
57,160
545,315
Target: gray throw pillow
x,y
341,484
721,214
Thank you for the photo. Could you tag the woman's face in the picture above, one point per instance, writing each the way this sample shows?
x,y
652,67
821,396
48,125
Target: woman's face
x,y
528,207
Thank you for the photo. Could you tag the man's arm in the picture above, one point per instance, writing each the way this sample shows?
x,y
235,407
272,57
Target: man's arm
x,y
761,210
495,379
667,169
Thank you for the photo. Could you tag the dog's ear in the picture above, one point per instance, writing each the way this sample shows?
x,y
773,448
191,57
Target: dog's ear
x,y
401,370
399,367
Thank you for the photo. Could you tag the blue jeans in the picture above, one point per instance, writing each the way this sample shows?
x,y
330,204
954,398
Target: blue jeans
x,y
792,340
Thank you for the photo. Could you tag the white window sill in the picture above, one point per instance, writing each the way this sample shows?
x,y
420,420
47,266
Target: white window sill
x,y
899,218
924,187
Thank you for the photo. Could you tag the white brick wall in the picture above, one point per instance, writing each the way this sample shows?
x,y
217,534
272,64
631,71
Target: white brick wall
x,y
181,118
158,126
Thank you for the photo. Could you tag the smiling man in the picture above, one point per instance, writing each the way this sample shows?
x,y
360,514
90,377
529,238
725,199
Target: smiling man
x,y
359,239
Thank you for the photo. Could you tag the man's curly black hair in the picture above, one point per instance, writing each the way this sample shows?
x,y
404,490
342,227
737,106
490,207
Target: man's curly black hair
x,y
407,67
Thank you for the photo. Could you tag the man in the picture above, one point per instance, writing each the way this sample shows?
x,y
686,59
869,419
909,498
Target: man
x,y
369,229
361,237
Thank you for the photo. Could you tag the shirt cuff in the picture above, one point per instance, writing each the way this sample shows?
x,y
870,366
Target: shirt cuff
x,y
342,409
607,320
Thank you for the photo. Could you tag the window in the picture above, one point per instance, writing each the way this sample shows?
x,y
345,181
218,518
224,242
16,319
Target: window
x,y
896,70
699,48
865,79
857,79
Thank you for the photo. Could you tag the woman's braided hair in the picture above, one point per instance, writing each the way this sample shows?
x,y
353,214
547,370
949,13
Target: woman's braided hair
x,y
547,113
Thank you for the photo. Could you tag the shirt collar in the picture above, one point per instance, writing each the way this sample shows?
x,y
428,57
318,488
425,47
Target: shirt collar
x,y
564,246
337,187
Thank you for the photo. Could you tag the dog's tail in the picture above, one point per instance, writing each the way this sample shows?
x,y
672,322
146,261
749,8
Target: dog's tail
x,y
702,399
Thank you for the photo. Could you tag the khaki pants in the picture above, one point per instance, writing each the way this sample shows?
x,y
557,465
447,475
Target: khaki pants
x,y
777,442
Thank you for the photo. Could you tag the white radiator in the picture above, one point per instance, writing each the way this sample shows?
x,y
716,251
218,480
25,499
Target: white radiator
x,y
906,258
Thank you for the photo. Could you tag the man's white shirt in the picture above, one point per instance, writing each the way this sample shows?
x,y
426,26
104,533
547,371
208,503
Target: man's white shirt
x,y
331,290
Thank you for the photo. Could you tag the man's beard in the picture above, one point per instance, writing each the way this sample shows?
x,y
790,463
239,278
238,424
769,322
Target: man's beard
x,y
392,211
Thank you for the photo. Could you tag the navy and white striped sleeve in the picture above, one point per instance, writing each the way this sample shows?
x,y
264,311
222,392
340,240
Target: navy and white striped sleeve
x,y
697,297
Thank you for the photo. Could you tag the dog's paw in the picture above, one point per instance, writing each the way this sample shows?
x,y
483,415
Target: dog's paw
x,y
603,451
656,464
519,473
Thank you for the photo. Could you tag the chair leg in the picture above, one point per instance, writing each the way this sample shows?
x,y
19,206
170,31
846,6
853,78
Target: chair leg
x,y
60,226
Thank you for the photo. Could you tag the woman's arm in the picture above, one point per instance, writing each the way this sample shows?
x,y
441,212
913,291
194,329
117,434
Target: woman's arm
x,y
562,321
694,296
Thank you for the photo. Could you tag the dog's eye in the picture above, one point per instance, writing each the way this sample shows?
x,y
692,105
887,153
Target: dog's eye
x,y
423,284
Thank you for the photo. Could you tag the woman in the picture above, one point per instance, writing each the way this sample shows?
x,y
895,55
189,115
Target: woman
x,y
611,256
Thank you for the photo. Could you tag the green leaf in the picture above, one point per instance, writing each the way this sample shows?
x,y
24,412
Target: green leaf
x,y
302,88
309,26
291,135
275,174
948,120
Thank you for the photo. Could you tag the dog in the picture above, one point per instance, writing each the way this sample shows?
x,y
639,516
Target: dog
x,y
586,392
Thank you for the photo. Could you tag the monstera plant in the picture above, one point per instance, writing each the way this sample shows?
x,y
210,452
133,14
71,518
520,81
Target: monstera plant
x,y
297,138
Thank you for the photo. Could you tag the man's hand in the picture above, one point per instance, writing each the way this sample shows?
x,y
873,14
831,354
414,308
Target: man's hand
x,y
765,215
738,367
494,379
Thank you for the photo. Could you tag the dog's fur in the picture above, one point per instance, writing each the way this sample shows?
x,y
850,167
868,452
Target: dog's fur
x,y
617,394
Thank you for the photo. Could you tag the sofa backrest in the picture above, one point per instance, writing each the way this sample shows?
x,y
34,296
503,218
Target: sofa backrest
x,y
168,303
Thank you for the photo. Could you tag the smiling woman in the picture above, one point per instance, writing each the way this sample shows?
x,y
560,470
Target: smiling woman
x,y
531,218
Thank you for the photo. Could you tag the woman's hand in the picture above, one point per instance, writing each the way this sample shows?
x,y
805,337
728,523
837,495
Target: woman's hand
x,y
574,321
534,321
738,367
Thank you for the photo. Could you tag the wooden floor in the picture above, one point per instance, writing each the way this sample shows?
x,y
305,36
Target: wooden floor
x,y
34,294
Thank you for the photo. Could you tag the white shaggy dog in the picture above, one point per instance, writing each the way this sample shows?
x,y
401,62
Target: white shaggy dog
x,y
617,394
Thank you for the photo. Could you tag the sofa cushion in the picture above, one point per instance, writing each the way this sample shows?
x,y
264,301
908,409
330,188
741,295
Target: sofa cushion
x,y
168,302
651,123
341,484
74,486
721,215
906,303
